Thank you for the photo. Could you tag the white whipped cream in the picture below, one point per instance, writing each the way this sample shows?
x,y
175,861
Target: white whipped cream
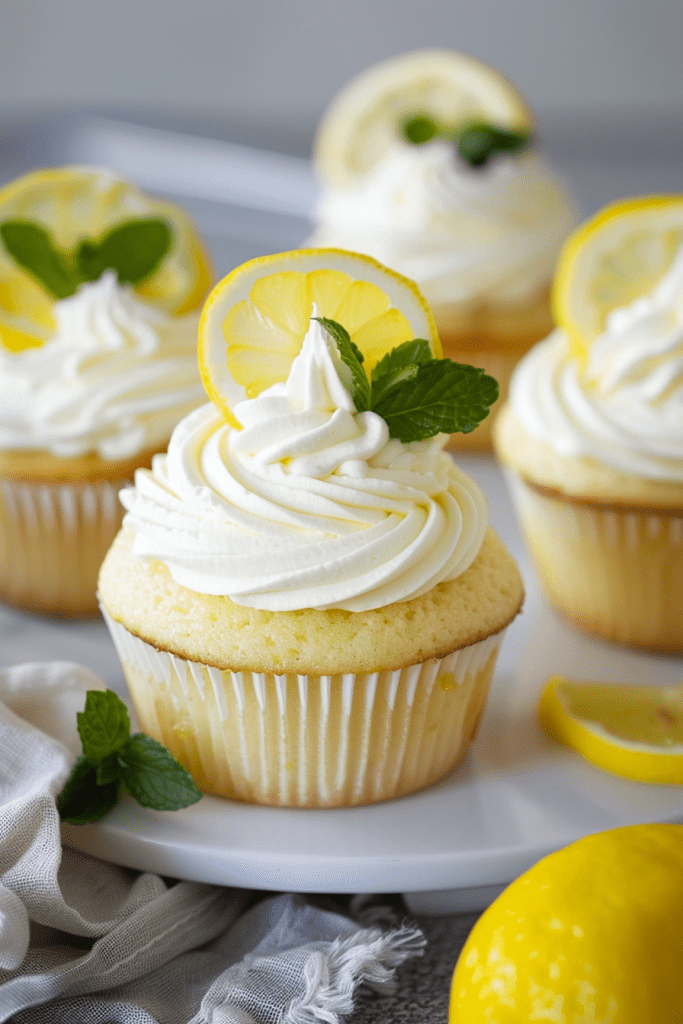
x,y
310,505
625,408
114,379
463,233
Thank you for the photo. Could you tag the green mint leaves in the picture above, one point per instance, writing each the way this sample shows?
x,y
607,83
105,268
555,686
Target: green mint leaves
x,y
417,395
477,141
111,756
133,249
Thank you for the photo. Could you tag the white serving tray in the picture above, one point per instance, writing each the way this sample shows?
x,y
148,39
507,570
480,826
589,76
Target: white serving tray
x,y
517,796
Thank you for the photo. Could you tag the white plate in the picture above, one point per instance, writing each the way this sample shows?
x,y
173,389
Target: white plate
x,y
517,797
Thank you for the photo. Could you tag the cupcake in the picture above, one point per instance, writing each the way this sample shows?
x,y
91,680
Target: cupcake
x,y
428,162
100,289
308,607
592,433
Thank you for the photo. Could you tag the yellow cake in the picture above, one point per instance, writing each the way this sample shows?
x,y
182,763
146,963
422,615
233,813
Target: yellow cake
x,y
95,369
592,436
307,608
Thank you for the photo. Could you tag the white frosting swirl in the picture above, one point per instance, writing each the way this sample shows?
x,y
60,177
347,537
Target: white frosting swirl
x,y
463,233
310,505
114,379
625,409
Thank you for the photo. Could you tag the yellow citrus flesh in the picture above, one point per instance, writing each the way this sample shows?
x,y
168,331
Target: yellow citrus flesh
x,y
255,319
589,935
365,118
634,731
611,260
85,202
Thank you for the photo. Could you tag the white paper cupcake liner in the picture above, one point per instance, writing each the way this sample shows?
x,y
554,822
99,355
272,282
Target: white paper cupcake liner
x,y
53,537
617,573
309,741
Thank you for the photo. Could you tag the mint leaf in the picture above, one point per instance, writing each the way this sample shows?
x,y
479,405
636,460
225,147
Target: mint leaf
x,y
104,725
83,799
133,250
154,777
32,247
357,382
443,397
398,365
480,140
420,128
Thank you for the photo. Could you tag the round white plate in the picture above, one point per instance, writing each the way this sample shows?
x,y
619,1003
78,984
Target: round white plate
x,y
517,797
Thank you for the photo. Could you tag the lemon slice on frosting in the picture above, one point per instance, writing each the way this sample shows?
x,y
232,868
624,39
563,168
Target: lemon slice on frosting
x,y
634,731
611,260
84,202
255,319
365,118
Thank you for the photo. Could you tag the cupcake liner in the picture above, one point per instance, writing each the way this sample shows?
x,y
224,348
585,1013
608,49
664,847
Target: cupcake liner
x,y
309,741
615,572
53,537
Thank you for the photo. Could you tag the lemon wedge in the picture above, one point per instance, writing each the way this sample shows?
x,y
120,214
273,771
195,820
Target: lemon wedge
x,y
84,202
611,260
589,935
634,731
365,118
255,319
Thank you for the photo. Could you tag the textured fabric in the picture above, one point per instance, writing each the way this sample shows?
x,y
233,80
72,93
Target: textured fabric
x,y
82,940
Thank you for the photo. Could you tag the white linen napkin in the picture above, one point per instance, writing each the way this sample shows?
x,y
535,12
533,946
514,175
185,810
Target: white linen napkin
x,y
83,941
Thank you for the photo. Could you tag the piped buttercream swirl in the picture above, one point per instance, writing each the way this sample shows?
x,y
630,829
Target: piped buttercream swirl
x,y
624,408
311,504
114,379
463,233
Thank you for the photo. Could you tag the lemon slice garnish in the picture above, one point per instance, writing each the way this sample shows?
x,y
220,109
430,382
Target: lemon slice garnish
x,y
634,731
365,118
255,319
84,202
611,260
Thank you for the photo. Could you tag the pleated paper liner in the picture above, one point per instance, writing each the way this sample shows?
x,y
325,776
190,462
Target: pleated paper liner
x,y
615,572
53,538
310,741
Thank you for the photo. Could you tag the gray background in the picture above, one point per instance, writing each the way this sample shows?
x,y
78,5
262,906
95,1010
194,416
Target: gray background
x,y
605,76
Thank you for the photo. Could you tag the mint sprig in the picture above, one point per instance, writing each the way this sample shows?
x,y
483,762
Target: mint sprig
x,y
112,757
417,395
476,141
133,249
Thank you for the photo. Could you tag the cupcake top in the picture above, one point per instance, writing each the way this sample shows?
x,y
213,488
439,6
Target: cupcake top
x,y
328,488
428,162
114,378
610,398
465,233
100,289
310,504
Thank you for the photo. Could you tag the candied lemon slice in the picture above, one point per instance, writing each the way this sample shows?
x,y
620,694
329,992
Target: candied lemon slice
x,y
634,731
85,202
611,260
365,118
255,319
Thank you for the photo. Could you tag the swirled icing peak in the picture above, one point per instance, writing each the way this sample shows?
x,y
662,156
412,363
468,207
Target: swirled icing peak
x,y
625,407
115,378
310,504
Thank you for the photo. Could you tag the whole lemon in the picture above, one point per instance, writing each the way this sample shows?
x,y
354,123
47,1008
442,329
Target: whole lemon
x,y
592,934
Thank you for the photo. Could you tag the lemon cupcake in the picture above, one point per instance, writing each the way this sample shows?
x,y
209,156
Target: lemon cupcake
x,y
428,163
100,289
306,596
592,434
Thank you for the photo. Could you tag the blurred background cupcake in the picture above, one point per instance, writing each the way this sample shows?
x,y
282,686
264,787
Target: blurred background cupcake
x,y
429,162
306,596
592,434
100,286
